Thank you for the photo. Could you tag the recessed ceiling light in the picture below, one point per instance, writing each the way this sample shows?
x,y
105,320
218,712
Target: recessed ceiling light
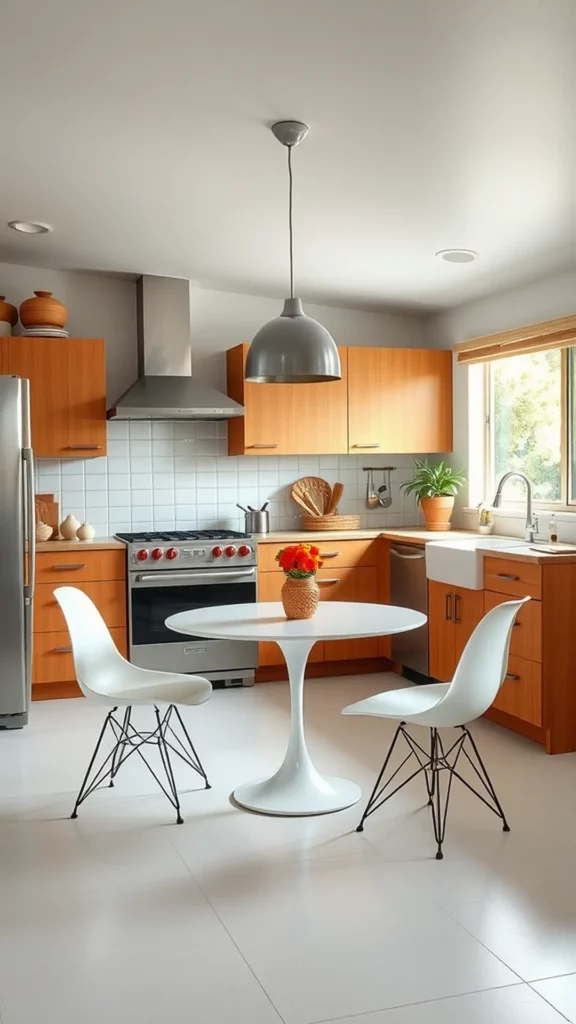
x,y
29,227
457,255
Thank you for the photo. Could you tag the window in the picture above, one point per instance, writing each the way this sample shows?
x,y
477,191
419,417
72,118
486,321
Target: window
x,y
526,414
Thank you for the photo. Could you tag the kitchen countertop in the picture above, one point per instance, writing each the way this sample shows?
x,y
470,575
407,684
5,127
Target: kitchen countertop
x,y
407,536
98,544
523,553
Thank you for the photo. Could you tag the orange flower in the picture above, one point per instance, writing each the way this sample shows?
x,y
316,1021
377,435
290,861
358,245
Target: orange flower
x,y
299,560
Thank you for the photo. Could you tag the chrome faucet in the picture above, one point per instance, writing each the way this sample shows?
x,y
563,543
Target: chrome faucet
x,y
531,528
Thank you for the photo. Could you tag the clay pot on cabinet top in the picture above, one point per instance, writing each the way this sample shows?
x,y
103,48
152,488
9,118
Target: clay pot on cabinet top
x,y
69,528
8,312
43,311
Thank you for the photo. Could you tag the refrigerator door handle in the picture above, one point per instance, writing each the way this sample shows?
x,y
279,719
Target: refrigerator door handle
x,y
29,526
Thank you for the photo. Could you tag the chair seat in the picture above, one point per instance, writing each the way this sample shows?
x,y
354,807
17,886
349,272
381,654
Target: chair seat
x,y
402,704
142,686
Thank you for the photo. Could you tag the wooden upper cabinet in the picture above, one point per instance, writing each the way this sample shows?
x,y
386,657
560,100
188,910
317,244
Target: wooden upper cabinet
x,y
67,392
399,400
287,419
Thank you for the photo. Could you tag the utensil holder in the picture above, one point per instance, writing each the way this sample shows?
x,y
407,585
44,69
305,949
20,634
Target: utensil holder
x,y
257,522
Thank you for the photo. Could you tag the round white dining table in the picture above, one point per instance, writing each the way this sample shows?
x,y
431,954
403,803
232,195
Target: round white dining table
x,y
297,788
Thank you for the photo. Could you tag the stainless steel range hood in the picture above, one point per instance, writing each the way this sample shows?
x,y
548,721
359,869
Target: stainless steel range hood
x,y
166,389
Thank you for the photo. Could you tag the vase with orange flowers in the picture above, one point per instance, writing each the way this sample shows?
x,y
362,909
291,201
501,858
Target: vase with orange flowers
x,y
300,593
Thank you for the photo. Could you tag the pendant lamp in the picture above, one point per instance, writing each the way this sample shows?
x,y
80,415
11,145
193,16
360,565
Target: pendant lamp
x,y
293,348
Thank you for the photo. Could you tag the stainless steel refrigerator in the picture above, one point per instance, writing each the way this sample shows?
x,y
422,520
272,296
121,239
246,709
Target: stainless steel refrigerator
x,y
17,551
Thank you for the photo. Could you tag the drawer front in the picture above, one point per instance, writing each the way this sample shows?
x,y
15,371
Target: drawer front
x,y
518,579
333,552
109,596
521,692
526,641
52,656
76,567
357,584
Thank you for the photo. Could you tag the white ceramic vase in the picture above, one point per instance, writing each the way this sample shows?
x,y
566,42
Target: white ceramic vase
x,y
85,532
69,528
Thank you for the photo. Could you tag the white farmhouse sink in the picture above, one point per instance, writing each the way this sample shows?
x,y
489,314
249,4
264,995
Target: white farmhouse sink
x,y
460,563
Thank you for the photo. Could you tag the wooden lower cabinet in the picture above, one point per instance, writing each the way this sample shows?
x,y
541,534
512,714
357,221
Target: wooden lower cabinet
x,y
99,574
521,692
353,571
453,613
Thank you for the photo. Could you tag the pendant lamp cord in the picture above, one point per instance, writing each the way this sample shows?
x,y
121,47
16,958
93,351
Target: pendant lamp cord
x,y
290,228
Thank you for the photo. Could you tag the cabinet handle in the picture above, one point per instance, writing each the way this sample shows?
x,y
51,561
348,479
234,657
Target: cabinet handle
x,y
329,554
323,583
62,650
64,568
376,445
84,447
510,675
456,617
263,446
448,608
507,576
517,625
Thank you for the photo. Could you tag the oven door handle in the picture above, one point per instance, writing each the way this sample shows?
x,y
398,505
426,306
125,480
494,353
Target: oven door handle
x,y
194,576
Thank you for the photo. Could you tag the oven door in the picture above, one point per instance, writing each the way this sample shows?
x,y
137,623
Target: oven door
x,y
154,596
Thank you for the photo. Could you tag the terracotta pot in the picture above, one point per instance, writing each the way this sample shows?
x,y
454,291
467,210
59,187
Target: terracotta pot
x,y
437,512
300,597
43,311
8,313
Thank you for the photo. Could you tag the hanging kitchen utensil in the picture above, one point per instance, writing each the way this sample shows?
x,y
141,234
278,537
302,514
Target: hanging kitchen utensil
x,y
371,495
385,492
337,492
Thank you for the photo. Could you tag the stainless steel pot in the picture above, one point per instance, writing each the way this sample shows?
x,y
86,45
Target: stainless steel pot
x,y
257,522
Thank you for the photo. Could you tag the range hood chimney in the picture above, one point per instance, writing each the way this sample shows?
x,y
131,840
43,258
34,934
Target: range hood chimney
x,y
166,389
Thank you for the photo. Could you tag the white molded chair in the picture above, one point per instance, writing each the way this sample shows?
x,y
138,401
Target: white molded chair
x,y
478,677
106,677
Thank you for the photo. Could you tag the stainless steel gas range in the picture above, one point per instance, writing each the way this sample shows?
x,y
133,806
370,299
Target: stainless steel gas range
x,y
175,571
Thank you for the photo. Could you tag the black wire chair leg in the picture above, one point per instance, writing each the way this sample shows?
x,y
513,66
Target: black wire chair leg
x,y
373,795
165,756
431,783
196,762
83,792
486,778
119,748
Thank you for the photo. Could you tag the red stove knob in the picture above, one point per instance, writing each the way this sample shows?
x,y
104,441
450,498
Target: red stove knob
x,y
230,551
217,552
157,553
142,555
244,550
172,553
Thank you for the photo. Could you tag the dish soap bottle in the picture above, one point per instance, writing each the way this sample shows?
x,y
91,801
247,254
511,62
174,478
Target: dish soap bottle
x,y
553,530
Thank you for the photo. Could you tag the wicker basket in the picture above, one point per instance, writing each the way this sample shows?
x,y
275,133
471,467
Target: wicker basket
x,y
330,522
300,597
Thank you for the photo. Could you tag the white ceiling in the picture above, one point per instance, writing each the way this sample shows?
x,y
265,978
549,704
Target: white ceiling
x,y
138,128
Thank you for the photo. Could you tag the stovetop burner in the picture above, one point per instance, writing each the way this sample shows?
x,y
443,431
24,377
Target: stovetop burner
x,y
173,536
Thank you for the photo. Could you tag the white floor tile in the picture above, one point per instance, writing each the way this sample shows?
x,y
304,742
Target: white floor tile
x,y
517,1005
232,917
330,938
561,993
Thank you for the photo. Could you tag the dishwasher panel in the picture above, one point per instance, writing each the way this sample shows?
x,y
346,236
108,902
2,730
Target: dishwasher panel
x,y
409,589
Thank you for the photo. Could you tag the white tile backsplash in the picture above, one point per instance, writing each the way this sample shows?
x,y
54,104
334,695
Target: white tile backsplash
x,y
177,475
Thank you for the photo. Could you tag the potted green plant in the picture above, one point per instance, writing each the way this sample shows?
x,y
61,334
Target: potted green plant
x,y
435,488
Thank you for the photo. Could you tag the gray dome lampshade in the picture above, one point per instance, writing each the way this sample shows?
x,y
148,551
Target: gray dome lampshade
x,y
292,349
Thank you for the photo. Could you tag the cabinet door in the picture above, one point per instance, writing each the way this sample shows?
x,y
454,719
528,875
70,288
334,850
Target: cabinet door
x,y
67,393
357,584
441,631
400,400
269,586
109,596
287,419
468,610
